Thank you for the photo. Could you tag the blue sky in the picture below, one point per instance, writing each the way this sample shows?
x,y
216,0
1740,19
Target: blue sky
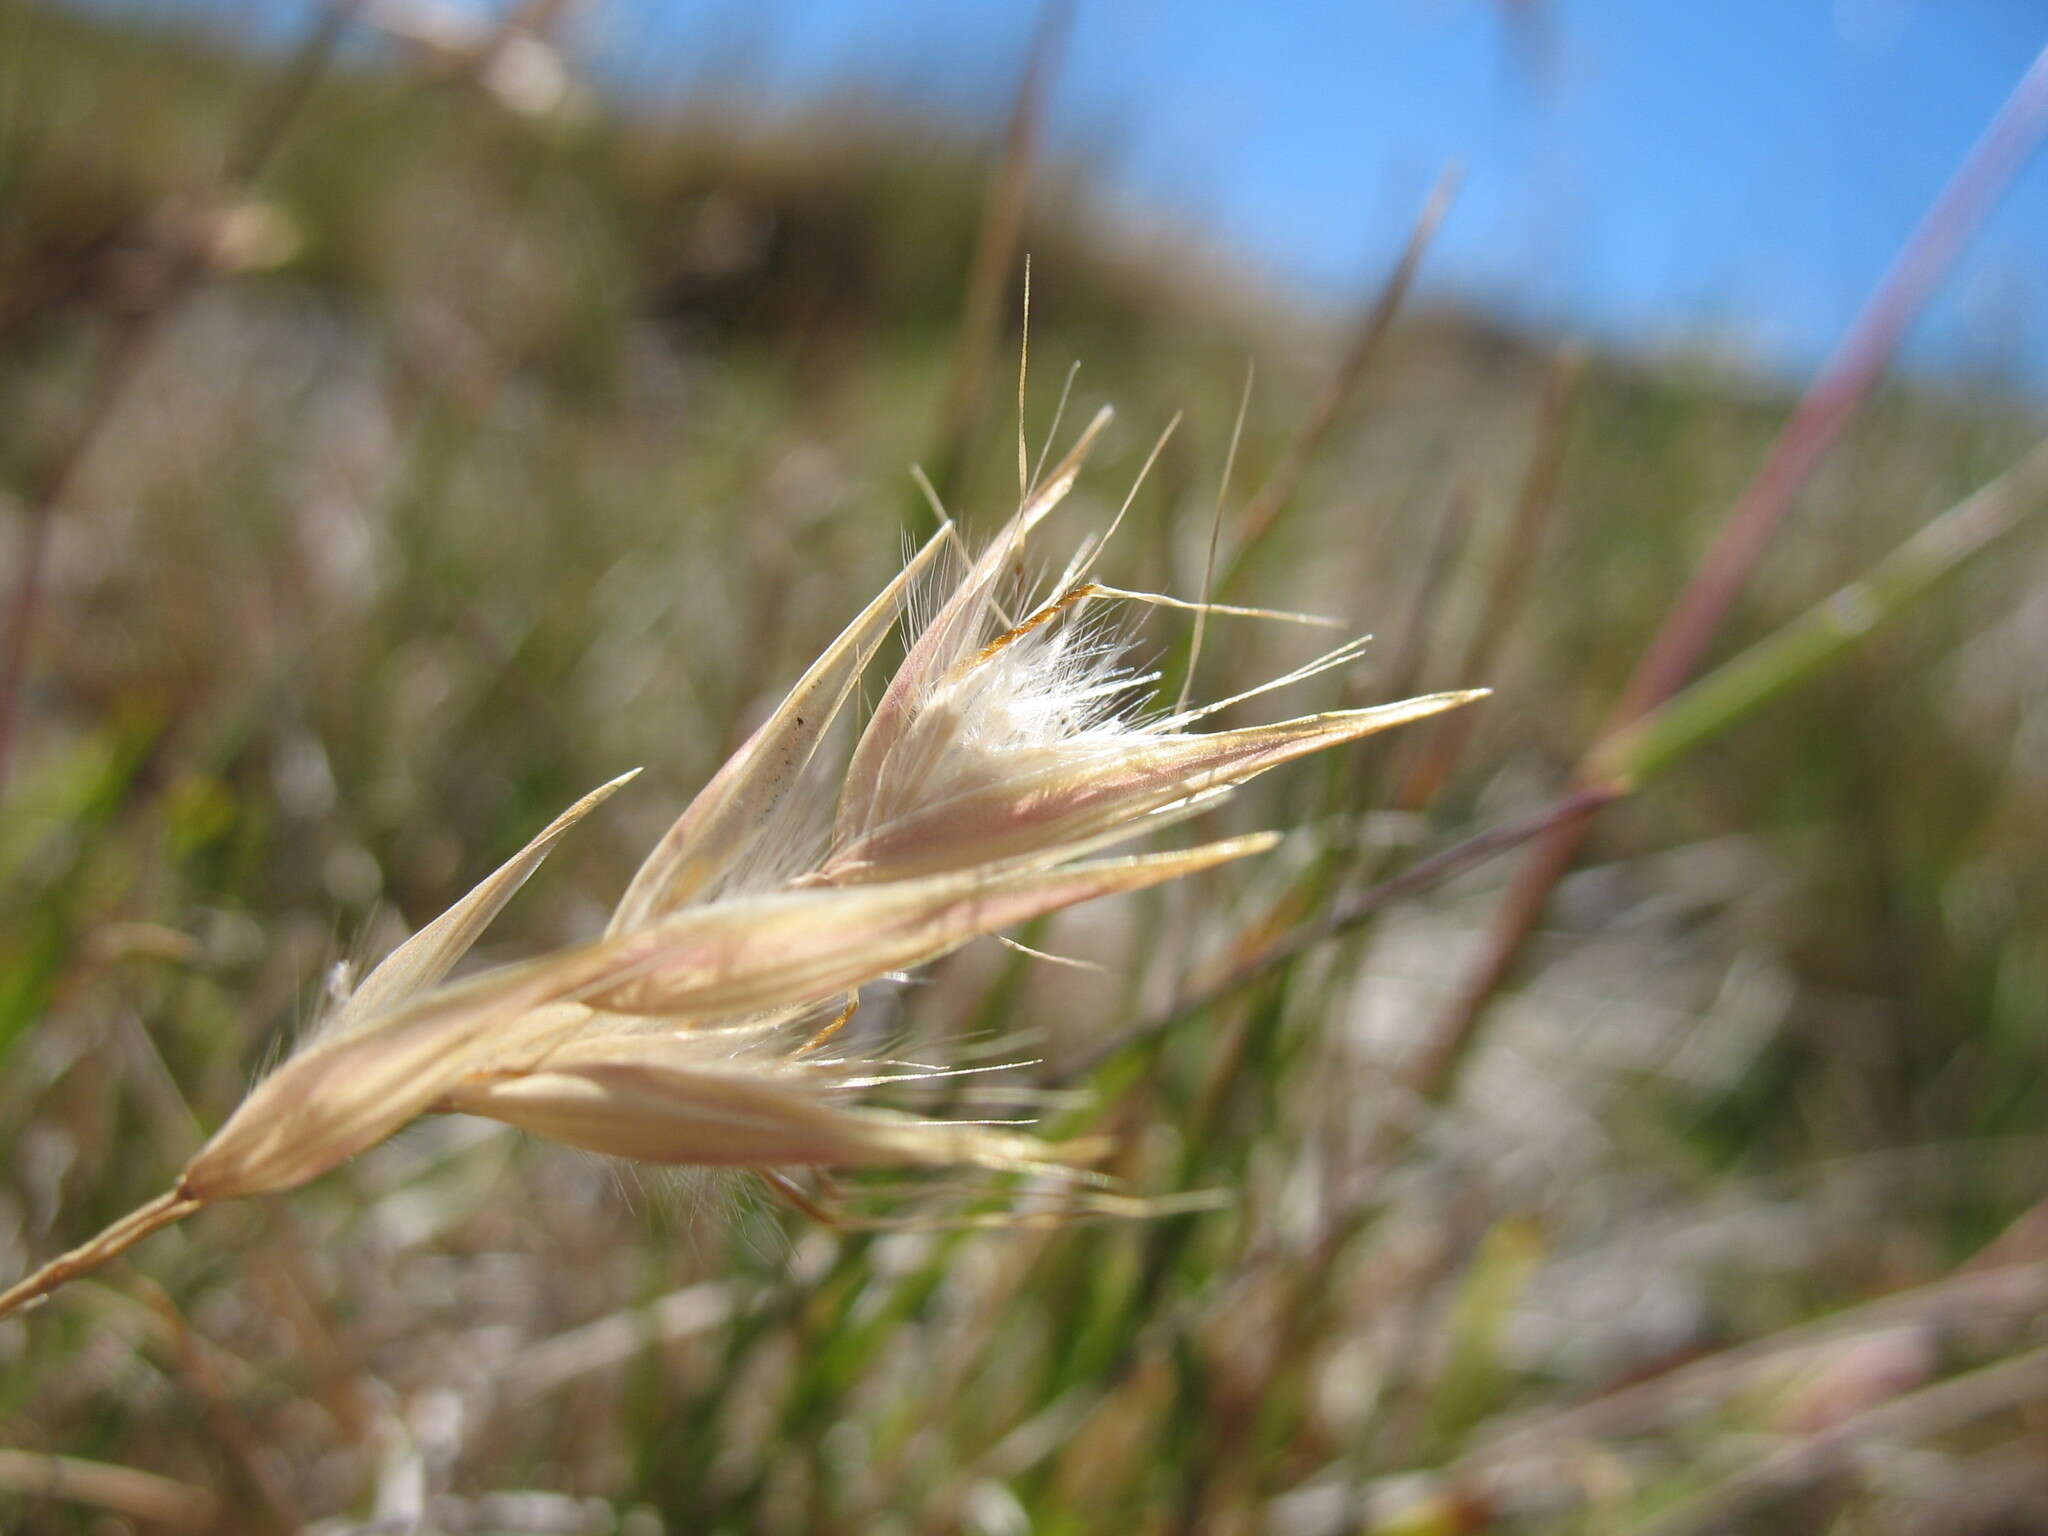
x,y
1734,174
1729,173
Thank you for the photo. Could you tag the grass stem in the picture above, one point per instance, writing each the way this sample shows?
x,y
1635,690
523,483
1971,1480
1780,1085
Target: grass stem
x,y
1817,421
171,1206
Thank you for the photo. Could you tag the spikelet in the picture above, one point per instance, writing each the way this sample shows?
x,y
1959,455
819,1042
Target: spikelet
x,y
1000,759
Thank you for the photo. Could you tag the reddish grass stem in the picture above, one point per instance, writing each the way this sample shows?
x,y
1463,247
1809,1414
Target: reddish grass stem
x,y
1825,408
1975,188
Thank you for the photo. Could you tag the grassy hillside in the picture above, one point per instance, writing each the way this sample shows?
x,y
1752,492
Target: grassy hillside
x,y
462,459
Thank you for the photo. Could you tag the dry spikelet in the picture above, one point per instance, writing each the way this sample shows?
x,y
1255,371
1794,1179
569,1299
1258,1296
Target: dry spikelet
x,y
999,759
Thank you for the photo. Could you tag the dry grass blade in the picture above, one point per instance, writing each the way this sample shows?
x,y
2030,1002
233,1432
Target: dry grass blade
x,y
1371,331
124,1491
1513,565
540,1369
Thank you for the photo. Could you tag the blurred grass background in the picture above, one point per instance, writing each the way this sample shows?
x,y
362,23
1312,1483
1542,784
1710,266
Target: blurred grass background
x,y
475,452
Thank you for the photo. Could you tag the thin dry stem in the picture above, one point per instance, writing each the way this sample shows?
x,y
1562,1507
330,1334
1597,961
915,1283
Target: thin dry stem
x,y
1966,1298
1409,655
995,246
1279,486
1917,1416
171,1206
1444,745
1244,405
1423,875
120,1490
273,1509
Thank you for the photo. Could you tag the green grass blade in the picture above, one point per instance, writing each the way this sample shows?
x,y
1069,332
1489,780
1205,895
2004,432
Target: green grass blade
x,y
1817,638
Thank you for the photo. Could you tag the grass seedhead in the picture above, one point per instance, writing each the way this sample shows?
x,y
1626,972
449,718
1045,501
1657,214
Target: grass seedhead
x,y
1000,758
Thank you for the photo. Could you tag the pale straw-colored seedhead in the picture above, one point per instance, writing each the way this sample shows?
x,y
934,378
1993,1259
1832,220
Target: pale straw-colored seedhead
x,y
1002,757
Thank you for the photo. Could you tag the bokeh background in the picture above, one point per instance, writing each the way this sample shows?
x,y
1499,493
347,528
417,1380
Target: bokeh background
x,y
412,416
